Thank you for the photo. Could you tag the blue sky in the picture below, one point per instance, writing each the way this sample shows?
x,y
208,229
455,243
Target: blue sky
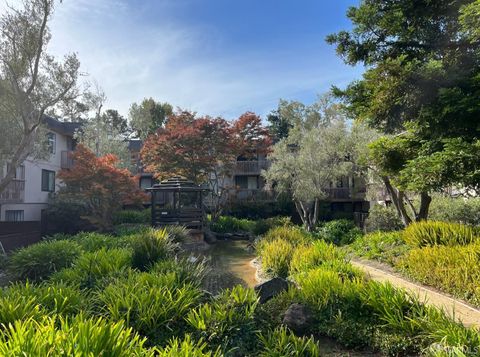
x,y
217,57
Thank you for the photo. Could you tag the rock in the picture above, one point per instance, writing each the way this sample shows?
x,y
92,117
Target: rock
x,y
271,288
297,318
210,237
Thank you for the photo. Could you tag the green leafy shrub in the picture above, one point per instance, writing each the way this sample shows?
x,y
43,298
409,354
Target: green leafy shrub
x,y
229,224
381,218
451,269
65,214
308,257
153,304
150,247
76,337
95,269
39,261
92,241
128,229
281,342
188,348
386,247
429,233
262,226
270,314
276,256
460,210
227,322
339,232
132,216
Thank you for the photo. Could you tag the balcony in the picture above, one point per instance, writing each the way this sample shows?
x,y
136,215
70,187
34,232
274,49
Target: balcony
x,y
250,195
346,193
251,167
14,192
66,160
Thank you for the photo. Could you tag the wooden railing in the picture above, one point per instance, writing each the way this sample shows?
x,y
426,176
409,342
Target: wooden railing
x,y
66,161
345,193
251,167
14,192
243,194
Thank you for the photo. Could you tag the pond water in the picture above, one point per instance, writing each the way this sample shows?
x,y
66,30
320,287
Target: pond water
x,y
230,263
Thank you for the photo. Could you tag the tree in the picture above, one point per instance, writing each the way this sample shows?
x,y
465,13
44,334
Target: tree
x,y
116,121
103,133
291,113
101,184
204,150
250,136
200,149
422,88
32,82
306,163
148,116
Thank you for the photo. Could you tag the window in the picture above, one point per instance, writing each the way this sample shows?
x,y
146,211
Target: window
x,y
13,215
241,181
19,172
145,182
51,143
48,181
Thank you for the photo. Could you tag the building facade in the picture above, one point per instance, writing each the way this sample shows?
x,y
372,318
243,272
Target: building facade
x,y
36,179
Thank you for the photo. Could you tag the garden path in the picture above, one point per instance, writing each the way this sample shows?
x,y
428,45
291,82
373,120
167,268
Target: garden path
x,y
455,308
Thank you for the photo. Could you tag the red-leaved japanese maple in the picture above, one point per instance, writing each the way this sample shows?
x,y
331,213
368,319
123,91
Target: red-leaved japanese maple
x,y
99,183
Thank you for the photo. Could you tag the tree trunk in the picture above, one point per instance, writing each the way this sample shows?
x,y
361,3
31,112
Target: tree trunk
x,y
425,200
398,201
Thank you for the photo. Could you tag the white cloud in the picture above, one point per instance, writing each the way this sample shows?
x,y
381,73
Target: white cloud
x,y
132,58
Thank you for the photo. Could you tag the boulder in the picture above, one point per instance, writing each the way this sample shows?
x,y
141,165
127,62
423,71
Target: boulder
x,y
271,288
210,237
298,318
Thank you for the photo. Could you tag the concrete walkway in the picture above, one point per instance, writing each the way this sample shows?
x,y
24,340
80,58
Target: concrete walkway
x,y
456,309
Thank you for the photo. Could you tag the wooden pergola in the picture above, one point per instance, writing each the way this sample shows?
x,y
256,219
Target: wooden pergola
x,y
177,201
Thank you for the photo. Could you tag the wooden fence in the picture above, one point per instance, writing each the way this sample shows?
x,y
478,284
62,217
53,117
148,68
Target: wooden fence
x,y
14,235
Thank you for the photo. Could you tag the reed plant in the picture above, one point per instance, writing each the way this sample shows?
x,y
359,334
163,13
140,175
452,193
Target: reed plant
x,y
282,342
57,337
431,233
276,256
228,322
95,269
39,261
153,304
453,269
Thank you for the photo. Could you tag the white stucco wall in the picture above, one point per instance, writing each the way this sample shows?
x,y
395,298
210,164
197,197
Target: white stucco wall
x,y
35,199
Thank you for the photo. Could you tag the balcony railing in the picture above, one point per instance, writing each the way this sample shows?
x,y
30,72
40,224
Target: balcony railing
x,y
251,167
244,194
66,160
14,192
346,193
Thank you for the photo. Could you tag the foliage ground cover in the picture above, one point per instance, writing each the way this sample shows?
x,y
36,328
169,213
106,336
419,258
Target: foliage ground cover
x,y
361,313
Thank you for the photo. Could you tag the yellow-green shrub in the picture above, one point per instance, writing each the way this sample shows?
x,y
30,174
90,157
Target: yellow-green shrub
x,y
429,233
307,257
58,337
452,269
293,235
383,246
276,256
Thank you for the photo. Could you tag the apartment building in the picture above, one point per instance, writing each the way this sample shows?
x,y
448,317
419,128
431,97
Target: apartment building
x,y
27,195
